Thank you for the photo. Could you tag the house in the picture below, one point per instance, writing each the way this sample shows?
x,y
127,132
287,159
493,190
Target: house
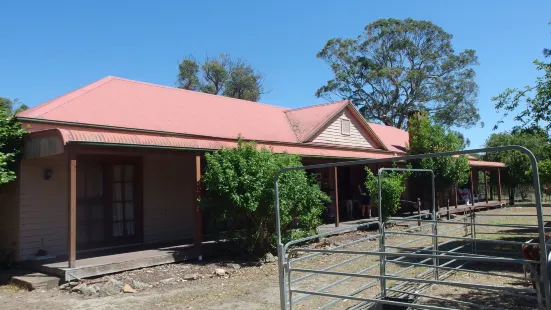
x,y
116,164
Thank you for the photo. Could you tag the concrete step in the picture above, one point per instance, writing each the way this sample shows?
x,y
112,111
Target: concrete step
x,y
35,281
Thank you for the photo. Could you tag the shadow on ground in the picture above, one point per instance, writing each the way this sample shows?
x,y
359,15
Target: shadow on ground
x,y
489,299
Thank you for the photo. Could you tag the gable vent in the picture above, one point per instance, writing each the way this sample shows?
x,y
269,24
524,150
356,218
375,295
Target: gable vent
x,y
345,127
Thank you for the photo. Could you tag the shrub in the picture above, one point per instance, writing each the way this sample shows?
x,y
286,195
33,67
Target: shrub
x,y
239,190
428,137
11,141
392,187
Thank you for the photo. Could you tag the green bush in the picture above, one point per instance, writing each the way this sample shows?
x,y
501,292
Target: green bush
x,y
392,187
428,137
11,141
239,190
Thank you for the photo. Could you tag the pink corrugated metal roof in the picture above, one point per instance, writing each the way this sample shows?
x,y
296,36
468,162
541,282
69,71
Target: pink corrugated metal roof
x,y
110,137
481,163
307,120
75,134
124,103
168,113
393,138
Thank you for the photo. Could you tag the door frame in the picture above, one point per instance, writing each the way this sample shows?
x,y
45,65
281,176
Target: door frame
x,y
108,162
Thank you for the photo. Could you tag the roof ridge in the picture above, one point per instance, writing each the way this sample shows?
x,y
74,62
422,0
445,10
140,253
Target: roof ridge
x,y
198,92
291,126
314,106
88,87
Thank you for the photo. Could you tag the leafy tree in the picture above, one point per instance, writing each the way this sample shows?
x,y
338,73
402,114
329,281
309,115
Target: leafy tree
x,y
11,140
427,137
12,106
393,185
221,76
396,66
519,172
544,168
535,98
238,185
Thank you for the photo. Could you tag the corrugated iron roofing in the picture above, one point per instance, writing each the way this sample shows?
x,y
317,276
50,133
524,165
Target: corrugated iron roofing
x,y
171,113
105,137
394,139
129,104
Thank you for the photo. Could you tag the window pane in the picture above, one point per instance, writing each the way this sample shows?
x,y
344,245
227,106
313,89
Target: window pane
x,y
129,211
128,173
117,211
128,191
117,229
117,173
96,211
117,191
130,228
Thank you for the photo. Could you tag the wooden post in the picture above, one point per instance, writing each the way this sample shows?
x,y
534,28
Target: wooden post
x,y
499,184
336,180
486,185
72,212
472,186
198,234
456,196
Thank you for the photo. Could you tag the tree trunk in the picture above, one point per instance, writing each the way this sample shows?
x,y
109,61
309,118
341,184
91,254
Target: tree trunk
x,y
512,196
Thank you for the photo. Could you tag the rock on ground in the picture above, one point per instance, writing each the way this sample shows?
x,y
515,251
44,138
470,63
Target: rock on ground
x,y
219,272
128,289
167,281
233,266
140,285
112,287
190,277
88,290
269,258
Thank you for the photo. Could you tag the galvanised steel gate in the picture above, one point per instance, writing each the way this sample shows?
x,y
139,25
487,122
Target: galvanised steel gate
x,y
404,274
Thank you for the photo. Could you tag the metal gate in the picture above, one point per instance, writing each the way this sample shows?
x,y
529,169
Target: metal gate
x,y
355,276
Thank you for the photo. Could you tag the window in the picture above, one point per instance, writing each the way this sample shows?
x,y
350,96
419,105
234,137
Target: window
x,y
345,127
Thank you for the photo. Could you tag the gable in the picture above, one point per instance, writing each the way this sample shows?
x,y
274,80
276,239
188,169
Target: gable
x,y
332,132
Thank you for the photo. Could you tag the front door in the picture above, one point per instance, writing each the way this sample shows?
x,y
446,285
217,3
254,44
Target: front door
x,y
108,201
124,204
123,211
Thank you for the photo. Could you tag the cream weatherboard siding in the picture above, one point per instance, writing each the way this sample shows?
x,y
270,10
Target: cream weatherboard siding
x,y
168,202
169,196
331,133
43,206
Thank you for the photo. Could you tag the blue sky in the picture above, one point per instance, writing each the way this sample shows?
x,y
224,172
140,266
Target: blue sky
x,y
51,47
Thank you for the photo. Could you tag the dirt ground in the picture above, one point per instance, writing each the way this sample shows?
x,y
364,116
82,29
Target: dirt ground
x,y
255,286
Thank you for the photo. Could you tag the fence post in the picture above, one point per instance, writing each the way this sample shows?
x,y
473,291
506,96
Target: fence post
x,y
436,261
418,212
448,209
382,248
473,229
